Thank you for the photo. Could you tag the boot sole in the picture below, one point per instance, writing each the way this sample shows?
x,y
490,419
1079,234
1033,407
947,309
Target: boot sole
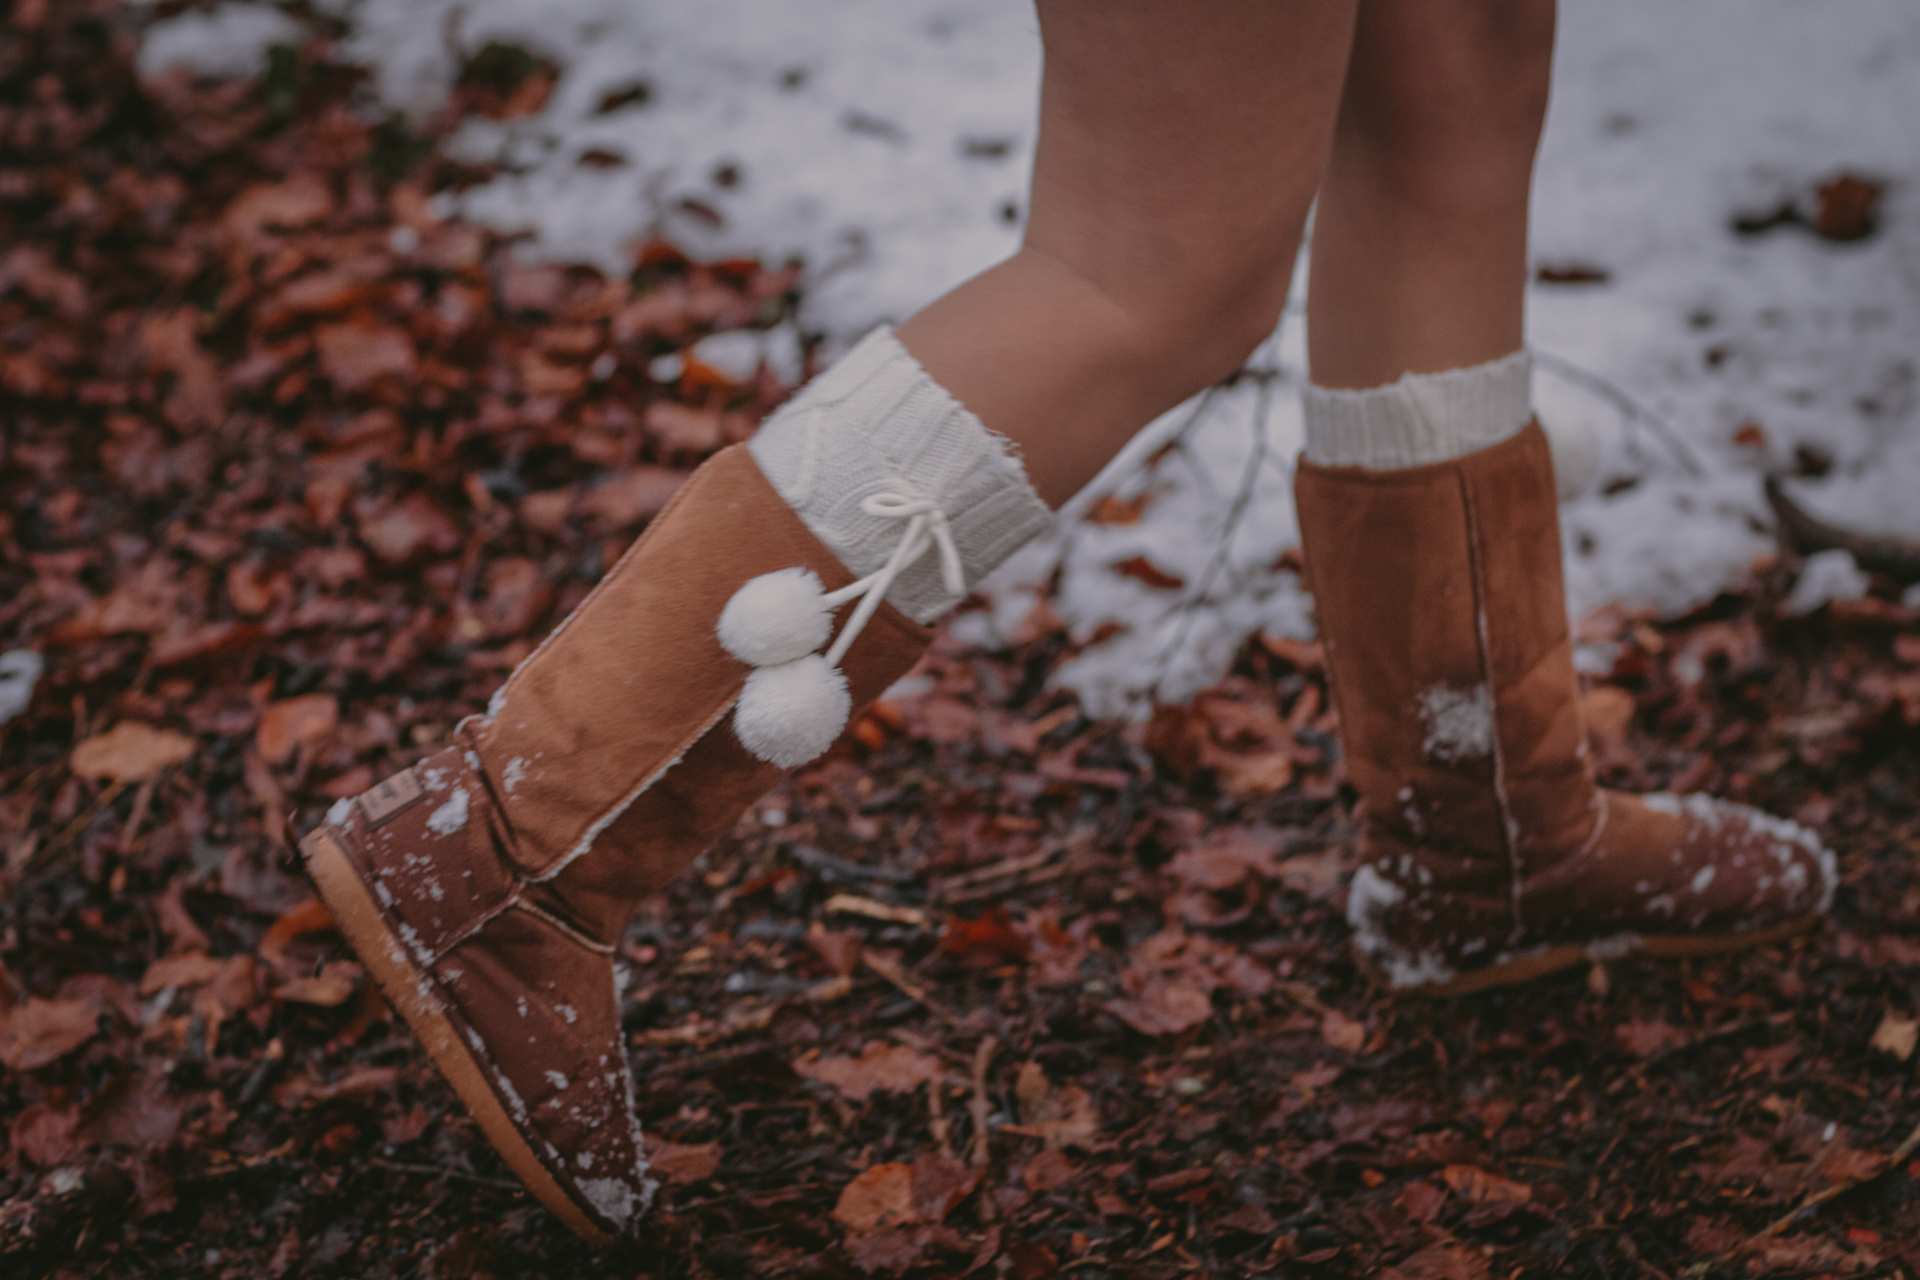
x,y
1554,959
410,991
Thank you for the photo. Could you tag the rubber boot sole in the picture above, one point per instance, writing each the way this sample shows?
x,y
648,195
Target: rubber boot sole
x,y
1539,964
410,991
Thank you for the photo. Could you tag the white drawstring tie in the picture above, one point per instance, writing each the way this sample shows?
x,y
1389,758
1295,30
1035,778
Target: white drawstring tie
x,y
796,702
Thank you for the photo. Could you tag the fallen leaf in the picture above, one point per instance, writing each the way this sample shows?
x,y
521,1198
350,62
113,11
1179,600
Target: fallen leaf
x,y
1481,1187
1342,1032
414,525
356,353
130,752
939,1185
888,1067
1141,569
44,1134
637,494
1112,510
1163,1008
42,1031
1060,1117
189,970
1646,1039
682,1164
284,725
1441,1262
331,987
880,1197
1050,1169
986,941
1896,1036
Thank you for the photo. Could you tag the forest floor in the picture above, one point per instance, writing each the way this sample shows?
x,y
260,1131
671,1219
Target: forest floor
x,y
295,472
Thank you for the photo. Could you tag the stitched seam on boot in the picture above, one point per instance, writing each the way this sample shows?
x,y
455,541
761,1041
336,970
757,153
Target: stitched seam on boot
x,y
541,913
480,922
1508,835
607,819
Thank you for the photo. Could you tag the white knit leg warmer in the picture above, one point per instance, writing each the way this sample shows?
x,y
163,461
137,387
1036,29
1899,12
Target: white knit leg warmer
x,y
875,428
1422,418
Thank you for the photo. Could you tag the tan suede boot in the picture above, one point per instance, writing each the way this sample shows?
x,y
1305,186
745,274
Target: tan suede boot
x,y
486,887
1488,854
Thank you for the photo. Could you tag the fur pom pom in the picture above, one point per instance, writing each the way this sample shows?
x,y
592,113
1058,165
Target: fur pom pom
x,y
791,713
776,618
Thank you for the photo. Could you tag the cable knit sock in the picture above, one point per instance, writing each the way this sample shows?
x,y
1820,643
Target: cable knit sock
x,y
877,426
1422,418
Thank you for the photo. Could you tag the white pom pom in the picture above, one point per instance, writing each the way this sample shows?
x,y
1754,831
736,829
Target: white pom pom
x,y
789,714
776,618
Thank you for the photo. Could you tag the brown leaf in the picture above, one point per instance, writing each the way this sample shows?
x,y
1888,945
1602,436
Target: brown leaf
x,y
1141,569
1896,1035
988,940
186,971
1060,1117
1342,1032
1481,1187
415,524
637,494
889,1067
1048,1170
838,949
356,353
284,725
1112,510
331,987
130,752
310,916
42,1031
44,1134
880,1197
1421,1201
299,201
1163,1008
1441,1262
683,429
682,1164
1646,1039
939,1185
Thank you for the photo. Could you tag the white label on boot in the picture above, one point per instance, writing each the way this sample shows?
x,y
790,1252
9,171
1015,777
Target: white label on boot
x,y
391,798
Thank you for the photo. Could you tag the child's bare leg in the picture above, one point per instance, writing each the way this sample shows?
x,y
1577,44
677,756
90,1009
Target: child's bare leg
x,y
1420,238
1180,148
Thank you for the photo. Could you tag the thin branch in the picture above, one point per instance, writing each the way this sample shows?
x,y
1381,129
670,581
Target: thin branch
x,y
1629,408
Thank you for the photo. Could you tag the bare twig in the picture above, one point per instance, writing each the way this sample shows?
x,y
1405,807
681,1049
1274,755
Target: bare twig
x,y
1190,607
1629,408
1806,1208
437,1171
978,1153
1804,534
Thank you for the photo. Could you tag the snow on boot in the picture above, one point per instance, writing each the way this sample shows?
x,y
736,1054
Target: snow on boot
x,y
1488,854
486,887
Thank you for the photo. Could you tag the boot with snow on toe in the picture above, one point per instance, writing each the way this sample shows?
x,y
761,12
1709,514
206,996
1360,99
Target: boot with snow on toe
x,y
1488,854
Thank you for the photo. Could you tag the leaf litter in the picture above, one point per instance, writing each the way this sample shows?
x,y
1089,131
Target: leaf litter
x,y
295,472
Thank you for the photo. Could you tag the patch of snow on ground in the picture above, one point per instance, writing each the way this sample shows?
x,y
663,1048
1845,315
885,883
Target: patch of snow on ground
x,y
886,143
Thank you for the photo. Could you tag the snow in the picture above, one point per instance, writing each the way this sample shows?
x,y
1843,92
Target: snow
x,y
886,143
228,40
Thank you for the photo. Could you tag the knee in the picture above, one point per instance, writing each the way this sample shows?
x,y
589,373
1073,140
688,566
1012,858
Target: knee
x,y
1445,97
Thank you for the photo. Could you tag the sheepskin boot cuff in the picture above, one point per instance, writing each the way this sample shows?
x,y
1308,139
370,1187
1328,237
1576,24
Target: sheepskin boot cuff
x,y
876,434
1422,418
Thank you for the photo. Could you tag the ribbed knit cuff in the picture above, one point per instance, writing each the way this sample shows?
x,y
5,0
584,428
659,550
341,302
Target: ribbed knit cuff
x,y
1422,418
877,422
